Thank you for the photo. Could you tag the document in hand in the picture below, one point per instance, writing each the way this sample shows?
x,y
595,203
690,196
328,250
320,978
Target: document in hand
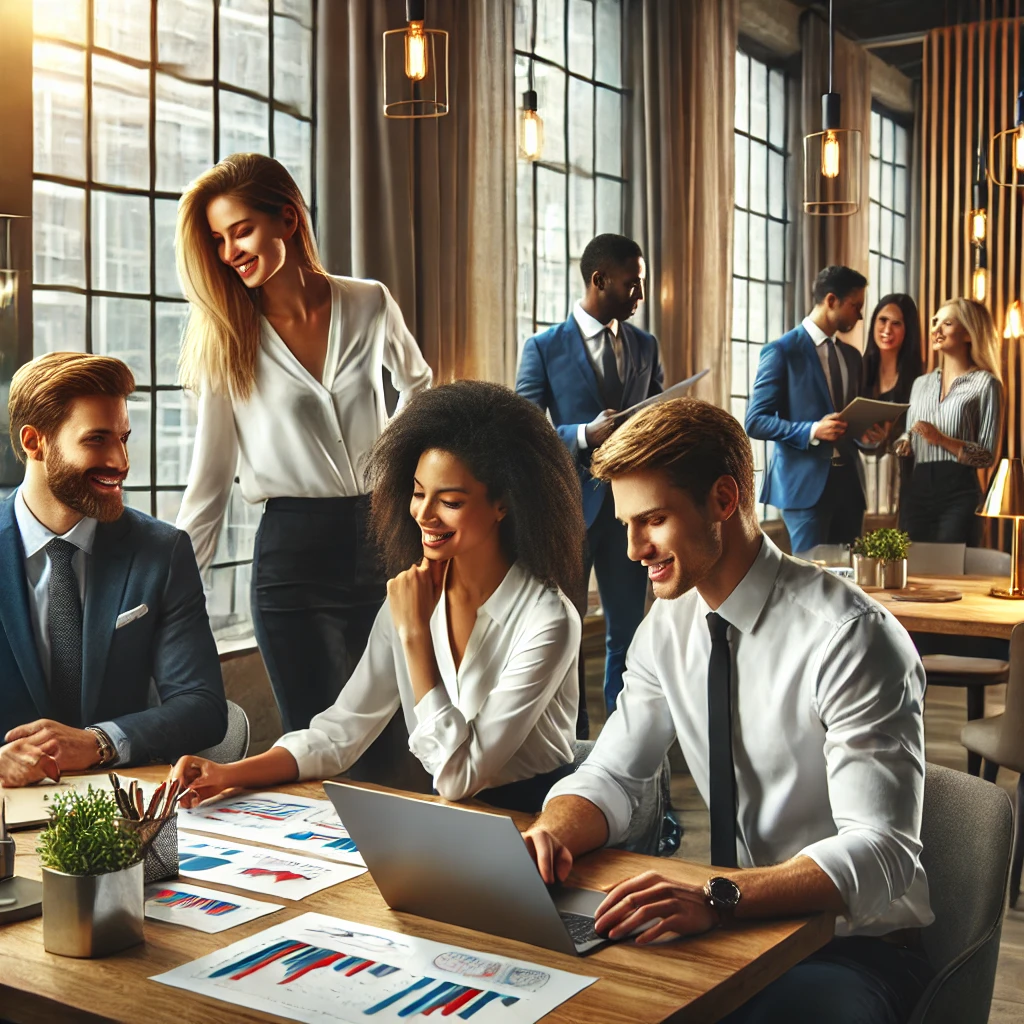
x,y
863,413
676,391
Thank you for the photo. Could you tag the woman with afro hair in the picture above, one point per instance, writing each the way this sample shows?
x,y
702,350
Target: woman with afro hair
x,y
476,510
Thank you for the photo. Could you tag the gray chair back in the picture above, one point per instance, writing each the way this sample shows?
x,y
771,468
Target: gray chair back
x,y
987,562
936,559
235,744
965,834
644,833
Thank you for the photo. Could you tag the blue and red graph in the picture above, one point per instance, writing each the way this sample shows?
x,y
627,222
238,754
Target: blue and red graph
x,y
421,997
189,901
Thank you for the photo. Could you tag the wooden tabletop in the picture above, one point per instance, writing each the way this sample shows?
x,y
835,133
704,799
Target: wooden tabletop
x,y
977,614
696,980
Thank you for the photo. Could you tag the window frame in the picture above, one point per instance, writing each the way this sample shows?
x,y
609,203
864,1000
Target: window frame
x,y
89,188
900,121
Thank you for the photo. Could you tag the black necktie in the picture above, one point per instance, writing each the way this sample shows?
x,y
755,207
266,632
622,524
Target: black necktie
x,y
64,626
835,375
722,778
610,373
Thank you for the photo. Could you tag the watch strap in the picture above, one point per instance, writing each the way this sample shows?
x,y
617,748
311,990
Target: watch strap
x,y
107,750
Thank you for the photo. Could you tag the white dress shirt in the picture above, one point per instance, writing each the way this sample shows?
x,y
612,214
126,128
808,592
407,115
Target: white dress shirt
x,y
819,337
295,436
828,738
34,538
593,332
507,713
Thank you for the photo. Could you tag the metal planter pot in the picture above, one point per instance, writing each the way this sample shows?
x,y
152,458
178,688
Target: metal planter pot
x,y
92,915
894,574
866,571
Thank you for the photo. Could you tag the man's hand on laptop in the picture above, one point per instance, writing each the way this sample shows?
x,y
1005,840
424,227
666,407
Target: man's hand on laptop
x,y
665,909
554,861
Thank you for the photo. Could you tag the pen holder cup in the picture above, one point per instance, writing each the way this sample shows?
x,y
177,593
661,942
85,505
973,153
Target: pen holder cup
x,y
159,845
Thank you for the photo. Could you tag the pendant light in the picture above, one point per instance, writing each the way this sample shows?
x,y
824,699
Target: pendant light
x,y
415,67
979,279
1014,322
531,128
832,157
978,217
1006,151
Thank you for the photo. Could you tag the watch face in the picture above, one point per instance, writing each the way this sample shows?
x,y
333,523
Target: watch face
x,y
724,890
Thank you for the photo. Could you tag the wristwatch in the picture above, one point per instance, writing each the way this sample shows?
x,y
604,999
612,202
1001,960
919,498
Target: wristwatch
x,y
107,750
722,895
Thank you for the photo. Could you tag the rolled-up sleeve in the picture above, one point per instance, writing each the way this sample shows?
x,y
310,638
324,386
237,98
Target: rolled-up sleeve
x,y
338,736
632,744
869,701
466,756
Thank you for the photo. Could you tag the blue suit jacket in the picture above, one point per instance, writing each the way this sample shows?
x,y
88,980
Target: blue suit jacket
x,y
136,560
789,396
555,373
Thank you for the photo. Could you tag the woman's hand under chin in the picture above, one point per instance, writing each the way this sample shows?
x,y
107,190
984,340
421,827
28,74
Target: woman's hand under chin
x,y
413,596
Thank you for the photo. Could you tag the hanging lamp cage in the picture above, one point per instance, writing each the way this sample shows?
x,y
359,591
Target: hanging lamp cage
x,y
415,67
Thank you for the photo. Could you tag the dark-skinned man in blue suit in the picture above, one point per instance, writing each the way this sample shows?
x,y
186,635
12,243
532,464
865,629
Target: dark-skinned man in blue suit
x,y
582,372
100,604
804,380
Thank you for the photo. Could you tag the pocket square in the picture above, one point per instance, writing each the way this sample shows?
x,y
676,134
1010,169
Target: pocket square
x,y
130,616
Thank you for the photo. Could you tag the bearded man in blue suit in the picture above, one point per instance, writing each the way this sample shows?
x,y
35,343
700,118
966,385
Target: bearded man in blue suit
x,y
804,381
582,372
106,654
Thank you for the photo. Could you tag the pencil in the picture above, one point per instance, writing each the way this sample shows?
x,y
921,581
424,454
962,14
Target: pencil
x,y
172,796
138,801
154,801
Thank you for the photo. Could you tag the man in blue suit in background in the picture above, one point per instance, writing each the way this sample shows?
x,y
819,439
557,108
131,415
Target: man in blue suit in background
x,y
804,380
582,372
99,603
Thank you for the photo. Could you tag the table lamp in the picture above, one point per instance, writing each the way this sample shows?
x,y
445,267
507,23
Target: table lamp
x,y
1005,500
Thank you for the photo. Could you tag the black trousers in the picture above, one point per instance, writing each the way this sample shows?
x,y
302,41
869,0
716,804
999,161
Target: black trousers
x,y
939,502
317,585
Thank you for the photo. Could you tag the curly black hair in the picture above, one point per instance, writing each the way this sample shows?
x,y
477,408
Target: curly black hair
x,y
509,446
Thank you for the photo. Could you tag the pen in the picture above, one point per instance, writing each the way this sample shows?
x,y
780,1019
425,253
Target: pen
x,y
154,801
172,797
138,802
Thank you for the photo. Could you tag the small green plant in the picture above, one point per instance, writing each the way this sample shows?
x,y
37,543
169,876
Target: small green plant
x,y
84,838
887,545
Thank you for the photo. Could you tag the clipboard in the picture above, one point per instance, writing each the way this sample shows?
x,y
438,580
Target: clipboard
x,y
863,413
676,391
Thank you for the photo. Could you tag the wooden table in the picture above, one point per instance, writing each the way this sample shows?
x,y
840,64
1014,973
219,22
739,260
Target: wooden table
x,y
977,614
695,980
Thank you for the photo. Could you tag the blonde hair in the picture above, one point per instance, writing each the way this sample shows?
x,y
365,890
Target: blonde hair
x,y
977,321
42,390
222,336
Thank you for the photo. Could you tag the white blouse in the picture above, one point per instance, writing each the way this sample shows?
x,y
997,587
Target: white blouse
x,y
294,436
507,713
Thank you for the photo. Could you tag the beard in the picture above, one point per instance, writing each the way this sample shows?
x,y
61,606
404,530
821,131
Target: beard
x,y
702,557
70,486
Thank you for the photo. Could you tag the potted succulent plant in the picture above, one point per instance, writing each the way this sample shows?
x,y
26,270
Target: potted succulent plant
x,y
866,570
890,547
92,877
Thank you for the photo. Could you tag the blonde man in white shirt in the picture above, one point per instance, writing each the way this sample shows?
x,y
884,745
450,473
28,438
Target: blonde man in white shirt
x,y
477,511
287,362
797,702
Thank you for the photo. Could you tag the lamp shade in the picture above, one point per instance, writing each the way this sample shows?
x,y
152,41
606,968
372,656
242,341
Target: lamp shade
x,y
1005,498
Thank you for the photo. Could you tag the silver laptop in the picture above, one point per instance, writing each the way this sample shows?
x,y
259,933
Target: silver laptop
x,y
464,867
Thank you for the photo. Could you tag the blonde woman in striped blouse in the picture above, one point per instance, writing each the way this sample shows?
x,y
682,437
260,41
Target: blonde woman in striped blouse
x,y
953,426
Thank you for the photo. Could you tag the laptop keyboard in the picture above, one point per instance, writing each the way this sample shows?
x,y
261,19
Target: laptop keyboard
x,y
580,928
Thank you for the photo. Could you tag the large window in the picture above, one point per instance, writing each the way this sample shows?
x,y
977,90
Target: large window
x,y
133,99
888,197
571,50
761,217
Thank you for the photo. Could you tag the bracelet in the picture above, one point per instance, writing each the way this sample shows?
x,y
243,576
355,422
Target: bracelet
x,y
103,745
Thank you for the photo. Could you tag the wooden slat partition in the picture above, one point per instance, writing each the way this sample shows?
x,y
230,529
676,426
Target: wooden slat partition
x,y
970,79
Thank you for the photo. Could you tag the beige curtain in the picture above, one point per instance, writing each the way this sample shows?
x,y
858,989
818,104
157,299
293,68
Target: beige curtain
x,y
426,206
829,240
683,81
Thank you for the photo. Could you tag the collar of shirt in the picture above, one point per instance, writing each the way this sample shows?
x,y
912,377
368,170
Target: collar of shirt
x,y
35,536
591,327
818,336
497,607
743,607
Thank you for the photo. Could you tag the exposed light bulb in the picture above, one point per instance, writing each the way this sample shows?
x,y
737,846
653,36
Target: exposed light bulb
x,y
415,52
6,289
1018,148
979,284
1014,321
979,226
531,135
830,155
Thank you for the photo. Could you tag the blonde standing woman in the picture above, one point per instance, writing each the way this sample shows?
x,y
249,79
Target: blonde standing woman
x,y
953,426
287,362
